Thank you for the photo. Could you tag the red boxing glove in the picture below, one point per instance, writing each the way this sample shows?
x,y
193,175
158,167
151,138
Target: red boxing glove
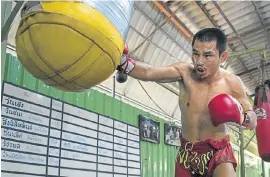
x,y
127,64
125,51
224,108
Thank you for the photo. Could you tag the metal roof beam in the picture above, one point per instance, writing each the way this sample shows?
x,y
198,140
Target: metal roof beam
x,y
175,20
229,23
251,70
248,51
153,32
208,15
201,6
165,33
234,30
247,33
205,11
261,20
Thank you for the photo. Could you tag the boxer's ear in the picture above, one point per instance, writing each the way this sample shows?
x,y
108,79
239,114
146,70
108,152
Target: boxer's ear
x,y
224,56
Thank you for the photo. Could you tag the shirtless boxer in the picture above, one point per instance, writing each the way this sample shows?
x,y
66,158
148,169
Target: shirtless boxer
x,y
207,101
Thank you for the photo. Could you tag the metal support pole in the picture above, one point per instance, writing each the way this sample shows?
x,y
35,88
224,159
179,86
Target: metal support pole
x,y
6,8
6,27
263,169
113,91
242,154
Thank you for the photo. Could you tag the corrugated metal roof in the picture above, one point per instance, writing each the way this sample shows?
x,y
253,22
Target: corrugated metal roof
x,y
245,25
245,28
252,27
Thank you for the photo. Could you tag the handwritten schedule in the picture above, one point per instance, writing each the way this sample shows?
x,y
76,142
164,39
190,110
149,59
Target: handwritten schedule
x,y
42,136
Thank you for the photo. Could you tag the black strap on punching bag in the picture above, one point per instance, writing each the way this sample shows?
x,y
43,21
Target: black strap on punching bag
x,y
267,82
256,95
264,96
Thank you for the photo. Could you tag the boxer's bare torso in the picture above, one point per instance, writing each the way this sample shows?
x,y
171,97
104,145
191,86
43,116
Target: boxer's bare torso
x,y
197,89
199,83
194,97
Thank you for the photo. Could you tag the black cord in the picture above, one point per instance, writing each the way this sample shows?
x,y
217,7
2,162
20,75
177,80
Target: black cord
x,y
152,99
157,28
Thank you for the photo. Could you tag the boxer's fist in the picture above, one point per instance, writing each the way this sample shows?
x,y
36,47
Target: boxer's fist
x,y
224,108
121,77
127,64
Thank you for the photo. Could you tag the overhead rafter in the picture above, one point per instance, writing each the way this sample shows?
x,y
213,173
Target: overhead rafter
x,y
208,15
261,20
162,6
149,18
248,51
268,38
175,20
240,36
201,6
205,11
234,30
250,70
230,24
247,33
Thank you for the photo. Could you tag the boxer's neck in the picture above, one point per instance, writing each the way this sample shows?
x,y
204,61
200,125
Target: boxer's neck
x,y
212,79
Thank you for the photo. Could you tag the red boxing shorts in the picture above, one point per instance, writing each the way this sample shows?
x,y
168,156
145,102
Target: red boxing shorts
x,y
201,158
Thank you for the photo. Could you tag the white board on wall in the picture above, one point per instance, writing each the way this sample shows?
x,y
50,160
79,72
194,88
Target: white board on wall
x,y
42,136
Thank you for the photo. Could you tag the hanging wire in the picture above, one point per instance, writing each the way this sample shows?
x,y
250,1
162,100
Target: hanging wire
x,y
157,28
262,69
140,45
152,99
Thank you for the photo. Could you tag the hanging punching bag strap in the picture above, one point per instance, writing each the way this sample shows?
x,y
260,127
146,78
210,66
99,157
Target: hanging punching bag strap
x,y
267,82
265,100
256,96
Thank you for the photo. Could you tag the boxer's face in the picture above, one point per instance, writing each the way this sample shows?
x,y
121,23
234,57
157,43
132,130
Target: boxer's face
x,y
206,58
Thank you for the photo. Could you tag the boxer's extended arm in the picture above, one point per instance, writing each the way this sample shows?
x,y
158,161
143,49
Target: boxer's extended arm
x,y
238,92
145,72
170,73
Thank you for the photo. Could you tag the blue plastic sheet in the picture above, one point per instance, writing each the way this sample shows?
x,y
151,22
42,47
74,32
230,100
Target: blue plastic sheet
x,y
118,12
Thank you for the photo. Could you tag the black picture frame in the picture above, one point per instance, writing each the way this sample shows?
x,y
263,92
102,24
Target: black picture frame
x,y
149,129
172,134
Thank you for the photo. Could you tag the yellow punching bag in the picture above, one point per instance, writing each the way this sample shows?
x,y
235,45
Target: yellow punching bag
x,y
72,45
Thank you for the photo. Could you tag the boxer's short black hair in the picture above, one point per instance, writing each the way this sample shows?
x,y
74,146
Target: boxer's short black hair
x,y
212,34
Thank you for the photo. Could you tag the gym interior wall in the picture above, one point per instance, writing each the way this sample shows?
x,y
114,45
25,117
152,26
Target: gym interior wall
x,y
157,160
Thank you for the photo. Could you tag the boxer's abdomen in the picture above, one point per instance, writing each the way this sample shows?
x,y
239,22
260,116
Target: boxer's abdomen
x,y
198,127
195,118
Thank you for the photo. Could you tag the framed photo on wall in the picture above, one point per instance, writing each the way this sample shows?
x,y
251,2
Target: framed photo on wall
x,y
172,134
149,129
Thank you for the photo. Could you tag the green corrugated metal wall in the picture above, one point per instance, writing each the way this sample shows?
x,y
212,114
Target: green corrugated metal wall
x,y
156,160
6,7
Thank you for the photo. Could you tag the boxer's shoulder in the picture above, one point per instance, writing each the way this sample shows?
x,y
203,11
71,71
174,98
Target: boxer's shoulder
x,y
183,66
234,82
187,69
232,79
